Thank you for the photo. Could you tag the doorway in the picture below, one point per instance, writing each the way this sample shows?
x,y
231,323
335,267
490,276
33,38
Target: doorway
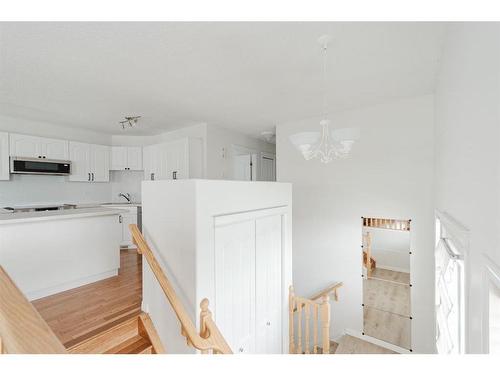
x,y
386,252
244,163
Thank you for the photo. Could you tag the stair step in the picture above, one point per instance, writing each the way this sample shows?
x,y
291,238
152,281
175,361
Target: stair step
x,y
134,345
107,340
134,336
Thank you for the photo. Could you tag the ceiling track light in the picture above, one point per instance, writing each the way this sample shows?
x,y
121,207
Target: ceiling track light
x,y
129,122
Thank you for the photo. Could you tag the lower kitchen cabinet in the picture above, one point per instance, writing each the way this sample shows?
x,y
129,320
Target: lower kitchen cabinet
x,y
127,218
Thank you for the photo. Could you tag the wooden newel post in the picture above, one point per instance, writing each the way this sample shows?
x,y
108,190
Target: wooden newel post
x,y
325,323
291,307
204,315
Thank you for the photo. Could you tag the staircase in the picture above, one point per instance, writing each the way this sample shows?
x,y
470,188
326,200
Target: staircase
x,y
311,317
24,331
134,336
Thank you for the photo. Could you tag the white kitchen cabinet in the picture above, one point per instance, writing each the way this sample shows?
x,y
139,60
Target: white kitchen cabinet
x,y
125,158
4,156
99,162
89,162
179,159
38,147
127,218
230,243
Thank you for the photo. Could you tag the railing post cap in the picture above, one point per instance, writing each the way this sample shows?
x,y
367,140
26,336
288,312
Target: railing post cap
x,y
204,304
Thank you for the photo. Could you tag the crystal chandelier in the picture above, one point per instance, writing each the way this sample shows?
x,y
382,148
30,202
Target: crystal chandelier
x,y
329,144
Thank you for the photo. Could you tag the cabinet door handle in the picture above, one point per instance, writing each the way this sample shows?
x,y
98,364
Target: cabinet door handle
x,y
89,177
39,156
120,219
268,324
44,157
241,350
152,176
174,175
92,176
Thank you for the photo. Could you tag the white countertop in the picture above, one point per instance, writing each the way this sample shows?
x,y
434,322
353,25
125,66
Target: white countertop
x,y
22,217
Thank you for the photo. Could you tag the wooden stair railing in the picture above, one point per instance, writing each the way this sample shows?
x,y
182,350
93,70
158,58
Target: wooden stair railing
x,y
22,329
209,339
394,224
317,310
368,260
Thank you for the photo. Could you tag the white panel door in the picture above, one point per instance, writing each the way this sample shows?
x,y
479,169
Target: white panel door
x,y
4,156
235,284
54,149
242,167
134,158
25,145
118,158
79,155
267,168
268,284
100,163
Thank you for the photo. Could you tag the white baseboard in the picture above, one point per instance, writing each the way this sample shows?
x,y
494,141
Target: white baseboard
x,y
373,340
71,285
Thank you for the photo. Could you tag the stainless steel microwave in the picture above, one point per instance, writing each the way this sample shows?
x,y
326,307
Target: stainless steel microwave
x,y
22,165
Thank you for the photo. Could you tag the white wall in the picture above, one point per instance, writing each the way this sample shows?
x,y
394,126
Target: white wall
x,y
467,149
219,153
389,174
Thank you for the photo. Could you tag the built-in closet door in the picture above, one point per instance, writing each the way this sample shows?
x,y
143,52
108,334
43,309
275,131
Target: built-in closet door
x,y
248,281
268,284
235,284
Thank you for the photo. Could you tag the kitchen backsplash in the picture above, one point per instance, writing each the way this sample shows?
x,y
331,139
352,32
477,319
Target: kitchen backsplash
x,y
31,189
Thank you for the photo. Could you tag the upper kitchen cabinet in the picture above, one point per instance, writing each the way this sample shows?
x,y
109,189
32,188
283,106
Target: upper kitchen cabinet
x,y
38,147
89,162
4,156
179,159
124,158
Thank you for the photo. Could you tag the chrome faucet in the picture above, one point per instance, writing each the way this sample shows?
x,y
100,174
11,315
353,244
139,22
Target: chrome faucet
x,y
126,196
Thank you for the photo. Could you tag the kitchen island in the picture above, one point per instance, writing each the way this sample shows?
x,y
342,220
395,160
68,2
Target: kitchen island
x,y
52,251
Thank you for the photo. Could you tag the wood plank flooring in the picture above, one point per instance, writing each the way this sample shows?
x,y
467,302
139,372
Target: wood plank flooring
x,y
80,313
386,299
353,345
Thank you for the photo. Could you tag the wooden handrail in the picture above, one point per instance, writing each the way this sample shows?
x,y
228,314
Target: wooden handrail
x,y
212,339
22,329
328,291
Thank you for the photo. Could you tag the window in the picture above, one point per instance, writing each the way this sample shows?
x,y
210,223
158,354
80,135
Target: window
x,y
449,290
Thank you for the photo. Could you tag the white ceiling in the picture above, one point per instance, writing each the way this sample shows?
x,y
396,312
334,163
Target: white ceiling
x,y
243,76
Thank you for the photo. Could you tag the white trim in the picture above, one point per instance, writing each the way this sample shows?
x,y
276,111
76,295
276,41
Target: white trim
x,y
455,233
231,218
491,275
373,340
70,285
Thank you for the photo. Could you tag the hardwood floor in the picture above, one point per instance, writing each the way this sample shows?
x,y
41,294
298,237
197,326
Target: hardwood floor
x,y
77,314
352,345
